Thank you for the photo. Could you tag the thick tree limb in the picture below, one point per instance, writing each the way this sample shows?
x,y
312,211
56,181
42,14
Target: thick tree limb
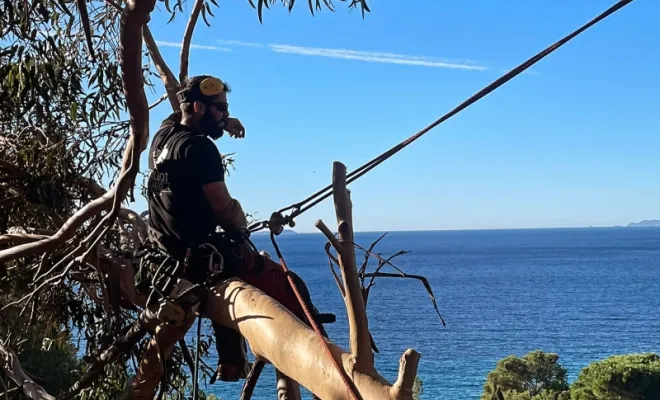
x,y
13,369
166,75
360,341
187,38
276,335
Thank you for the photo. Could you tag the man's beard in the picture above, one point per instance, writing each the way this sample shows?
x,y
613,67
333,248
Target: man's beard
x,y
211,127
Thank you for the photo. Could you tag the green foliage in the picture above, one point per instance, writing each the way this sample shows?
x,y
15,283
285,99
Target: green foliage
x,y
543,395
54,363
536,375
621,377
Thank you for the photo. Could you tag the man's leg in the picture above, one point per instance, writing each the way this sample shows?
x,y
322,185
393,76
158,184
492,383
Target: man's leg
x,y
232,356
268,276
150,371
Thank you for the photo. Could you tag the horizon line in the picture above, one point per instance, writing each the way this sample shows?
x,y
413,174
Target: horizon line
x,y
470,229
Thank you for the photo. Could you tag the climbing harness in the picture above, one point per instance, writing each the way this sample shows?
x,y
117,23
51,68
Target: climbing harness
x,y
278,220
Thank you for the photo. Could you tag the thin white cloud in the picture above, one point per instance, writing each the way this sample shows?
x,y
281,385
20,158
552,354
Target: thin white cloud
x,y
389,58
192,46
240,43
368,56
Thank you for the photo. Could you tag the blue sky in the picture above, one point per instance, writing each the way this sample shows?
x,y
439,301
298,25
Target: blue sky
x,y
575,142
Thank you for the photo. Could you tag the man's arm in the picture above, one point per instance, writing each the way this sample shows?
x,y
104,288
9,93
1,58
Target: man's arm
x,y
228,211
207,171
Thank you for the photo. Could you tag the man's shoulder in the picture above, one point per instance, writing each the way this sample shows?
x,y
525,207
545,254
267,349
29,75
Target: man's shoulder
x,y
178,135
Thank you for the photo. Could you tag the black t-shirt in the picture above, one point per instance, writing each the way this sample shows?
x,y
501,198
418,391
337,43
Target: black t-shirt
x,y
183,160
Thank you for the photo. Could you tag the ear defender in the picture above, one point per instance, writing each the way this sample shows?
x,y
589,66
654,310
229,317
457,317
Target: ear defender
x,y
211,87
204,91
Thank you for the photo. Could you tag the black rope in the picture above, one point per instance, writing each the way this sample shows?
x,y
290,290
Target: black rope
x,y
199,347
316,198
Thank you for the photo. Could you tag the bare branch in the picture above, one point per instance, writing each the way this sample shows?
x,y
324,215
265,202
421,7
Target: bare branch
x,y
187,38
366,255
157,102
166,75
357,317
328,234
332,259
424,281
65,233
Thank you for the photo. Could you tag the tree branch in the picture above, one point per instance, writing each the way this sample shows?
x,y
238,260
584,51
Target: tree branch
x,y
134,17
166,75
357,317
187,38
403,387
251,379
20,238
65,233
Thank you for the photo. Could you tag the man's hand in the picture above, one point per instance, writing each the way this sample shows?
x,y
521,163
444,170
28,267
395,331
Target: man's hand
x,y
235,128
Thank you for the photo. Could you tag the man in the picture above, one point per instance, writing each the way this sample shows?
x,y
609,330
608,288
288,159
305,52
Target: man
x,y
187,199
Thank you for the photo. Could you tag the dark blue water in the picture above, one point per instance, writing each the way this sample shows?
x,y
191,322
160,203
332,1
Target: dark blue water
x,y
582,293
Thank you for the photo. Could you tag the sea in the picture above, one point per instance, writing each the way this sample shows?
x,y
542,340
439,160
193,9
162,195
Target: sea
x,y
583,293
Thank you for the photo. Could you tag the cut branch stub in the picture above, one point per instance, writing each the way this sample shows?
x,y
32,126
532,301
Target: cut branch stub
x,y
403,387
360,341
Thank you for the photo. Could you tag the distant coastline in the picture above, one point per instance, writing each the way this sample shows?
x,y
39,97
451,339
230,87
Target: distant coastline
x,y
647,223
284,232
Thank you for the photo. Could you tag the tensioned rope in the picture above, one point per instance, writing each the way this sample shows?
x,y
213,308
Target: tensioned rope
x,y
277,220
